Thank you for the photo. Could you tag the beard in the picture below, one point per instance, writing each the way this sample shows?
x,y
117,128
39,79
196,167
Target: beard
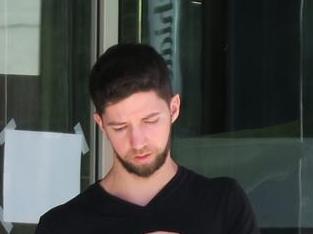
x,y
145,170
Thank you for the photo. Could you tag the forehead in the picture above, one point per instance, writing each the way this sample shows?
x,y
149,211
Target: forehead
x,y
138,104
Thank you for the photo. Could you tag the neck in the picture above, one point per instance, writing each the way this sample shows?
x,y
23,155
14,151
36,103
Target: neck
x,y
135,189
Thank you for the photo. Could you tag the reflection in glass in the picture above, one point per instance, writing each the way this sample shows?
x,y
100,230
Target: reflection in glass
x,y
243,69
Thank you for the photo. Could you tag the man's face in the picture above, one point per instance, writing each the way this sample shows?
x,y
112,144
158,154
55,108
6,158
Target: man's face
x,y
139,129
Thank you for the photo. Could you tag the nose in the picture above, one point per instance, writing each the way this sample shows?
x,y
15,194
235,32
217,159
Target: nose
x,y
137,138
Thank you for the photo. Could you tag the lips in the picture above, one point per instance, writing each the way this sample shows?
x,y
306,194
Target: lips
x,y
142,157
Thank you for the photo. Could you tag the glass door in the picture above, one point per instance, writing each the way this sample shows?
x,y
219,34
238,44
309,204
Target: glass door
x,y
44,64
243,70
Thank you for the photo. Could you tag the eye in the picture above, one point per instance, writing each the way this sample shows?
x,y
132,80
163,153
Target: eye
x,y
151,121
119,129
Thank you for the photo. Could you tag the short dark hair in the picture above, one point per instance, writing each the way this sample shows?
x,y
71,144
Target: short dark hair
x,y
125,69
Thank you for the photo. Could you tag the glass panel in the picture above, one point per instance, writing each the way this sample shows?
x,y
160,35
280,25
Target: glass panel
x,y
44,71
243,69
306,202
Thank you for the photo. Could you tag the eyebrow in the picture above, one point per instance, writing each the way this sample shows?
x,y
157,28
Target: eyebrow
x,y
115,123
151,115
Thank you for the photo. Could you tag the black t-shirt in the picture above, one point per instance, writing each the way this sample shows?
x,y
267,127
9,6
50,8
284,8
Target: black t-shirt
x,y
189,203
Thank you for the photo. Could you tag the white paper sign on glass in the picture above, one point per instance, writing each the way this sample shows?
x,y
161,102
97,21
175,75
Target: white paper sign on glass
x,y
41,170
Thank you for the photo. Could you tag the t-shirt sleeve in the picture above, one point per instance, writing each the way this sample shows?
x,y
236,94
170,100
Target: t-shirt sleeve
x,y
240,216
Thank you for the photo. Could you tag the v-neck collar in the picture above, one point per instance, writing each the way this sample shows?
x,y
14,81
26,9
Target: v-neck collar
x,y
162,194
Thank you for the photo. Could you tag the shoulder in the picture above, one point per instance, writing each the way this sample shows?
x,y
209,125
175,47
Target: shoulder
x,y
80,202
226,197
216,184
225,192
69,211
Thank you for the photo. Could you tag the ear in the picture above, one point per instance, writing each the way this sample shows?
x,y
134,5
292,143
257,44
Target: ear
x,y
175,107
98,120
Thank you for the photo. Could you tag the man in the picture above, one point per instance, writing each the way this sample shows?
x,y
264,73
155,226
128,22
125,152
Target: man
x,y
146,191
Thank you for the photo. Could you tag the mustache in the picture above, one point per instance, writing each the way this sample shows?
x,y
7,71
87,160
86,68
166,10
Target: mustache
x,y
144,150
